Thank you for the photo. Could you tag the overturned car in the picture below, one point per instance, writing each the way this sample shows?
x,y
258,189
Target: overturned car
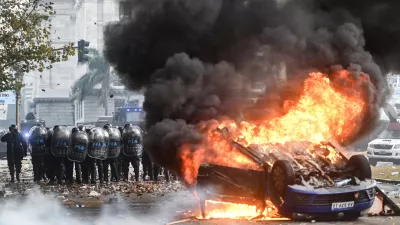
x,y
303,181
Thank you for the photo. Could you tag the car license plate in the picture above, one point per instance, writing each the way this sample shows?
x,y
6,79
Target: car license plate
x,y
342,205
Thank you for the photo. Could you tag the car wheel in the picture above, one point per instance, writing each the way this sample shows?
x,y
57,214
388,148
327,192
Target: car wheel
x,y
361,167
373,162
282,175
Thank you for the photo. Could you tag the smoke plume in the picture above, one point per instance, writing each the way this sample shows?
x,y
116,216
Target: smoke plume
x,y
198,60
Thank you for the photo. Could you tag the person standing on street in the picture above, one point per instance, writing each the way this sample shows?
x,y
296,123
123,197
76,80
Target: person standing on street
x,y
147,166
113,152
132,150
16,150
37,140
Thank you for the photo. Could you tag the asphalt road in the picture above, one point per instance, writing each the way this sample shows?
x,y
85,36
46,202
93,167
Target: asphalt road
x,y
149,216
143,211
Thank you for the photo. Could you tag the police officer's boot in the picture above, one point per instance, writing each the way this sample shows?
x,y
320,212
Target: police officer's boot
x,y
17,173
156,171
101,173
166,174
17,176
93,175
78,173
105,171
12,174
125,171
136,170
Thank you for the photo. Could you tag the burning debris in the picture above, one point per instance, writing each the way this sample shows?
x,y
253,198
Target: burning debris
x,y
199,61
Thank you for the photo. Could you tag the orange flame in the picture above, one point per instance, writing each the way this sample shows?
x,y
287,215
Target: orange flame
x,y
223,210
321,114
327,110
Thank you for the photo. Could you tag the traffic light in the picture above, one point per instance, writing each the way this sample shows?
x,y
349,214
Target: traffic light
x,y
83,50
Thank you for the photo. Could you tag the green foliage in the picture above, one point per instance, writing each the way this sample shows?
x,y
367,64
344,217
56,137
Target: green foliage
x,y
99,72
25,40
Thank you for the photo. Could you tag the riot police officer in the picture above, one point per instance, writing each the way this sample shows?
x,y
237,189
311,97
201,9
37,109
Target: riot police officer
x,y
132,150
97,150
69,165
78,153
16,150
113,152
60,145
37,140
49,158
88,165
147,166
119,158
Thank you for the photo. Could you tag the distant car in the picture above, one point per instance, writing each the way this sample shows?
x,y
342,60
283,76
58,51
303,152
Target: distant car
x,y
300,188
386,148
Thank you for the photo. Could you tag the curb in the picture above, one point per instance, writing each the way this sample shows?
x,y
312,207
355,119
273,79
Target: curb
x,y
388,181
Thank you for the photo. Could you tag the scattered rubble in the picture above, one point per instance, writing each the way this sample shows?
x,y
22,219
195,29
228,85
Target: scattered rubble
x,y
83,195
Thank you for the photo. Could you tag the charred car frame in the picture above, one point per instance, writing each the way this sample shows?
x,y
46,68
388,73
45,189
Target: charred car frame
x,y
301,184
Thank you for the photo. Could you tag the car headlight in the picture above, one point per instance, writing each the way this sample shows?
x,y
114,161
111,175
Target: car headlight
x,y
26,135
370,145
396,146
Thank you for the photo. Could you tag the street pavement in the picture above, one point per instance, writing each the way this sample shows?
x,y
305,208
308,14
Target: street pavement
x,y
119,204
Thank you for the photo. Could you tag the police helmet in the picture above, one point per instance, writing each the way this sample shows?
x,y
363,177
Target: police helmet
x,y
13,128
121,129
75,129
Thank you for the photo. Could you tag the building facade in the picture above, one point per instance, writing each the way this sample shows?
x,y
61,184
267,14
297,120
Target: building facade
x,y
88,111
49,93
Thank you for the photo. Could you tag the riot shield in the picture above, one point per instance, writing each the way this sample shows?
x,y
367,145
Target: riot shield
x,y
97,143
79,146
48,141
132,141
60,143
37,140
114,144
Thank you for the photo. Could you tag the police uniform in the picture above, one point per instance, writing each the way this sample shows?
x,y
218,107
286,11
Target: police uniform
x,y
60,147
132,150
88,168
37,140
49,159
113,152
16,150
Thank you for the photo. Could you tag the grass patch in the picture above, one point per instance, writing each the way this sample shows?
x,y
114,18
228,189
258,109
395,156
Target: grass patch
x,y
385,172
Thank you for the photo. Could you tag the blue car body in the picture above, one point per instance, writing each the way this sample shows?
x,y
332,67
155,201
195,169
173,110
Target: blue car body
x,y
346,196
304,202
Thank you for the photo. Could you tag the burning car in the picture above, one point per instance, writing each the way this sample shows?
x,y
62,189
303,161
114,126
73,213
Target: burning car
x,y
303,180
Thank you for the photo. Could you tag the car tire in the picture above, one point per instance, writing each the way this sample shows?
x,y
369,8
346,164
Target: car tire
x,y
361,167
373,162
282,175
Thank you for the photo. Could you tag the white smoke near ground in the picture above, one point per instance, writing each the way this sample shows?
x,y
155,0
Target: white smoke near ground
x,y
40,209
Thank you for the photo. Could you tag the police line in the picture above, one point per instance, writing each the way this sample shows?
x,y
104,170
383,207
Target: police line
x,y
79,143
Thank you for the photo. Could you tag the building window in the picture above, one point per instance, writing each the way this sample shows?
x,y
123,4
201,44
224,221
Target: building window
x,y
79,110
125,9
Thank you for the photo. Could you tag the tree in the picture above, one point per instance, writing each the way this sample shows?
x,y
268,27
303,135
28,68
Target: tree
x,y
25,41
99,72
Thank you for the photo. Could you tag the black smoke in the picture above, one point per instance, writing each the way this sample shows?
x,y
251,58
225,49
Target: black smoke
x,y
196,59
